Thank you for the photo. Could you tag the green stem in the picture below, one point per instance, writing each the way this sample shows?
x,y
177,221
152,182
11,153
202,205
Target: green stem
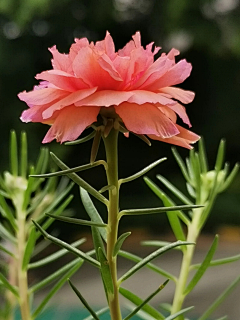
x,y
21,273
193,233
111,147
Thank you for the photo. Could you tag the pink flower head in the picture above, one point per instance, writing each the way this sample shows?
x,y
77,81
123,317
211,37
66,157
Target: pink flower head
x,y
94,83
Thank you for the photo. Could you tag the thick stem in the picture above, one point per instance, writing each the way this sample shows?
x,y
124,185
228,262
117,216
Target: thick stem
x,y
111,147
193,233
22,274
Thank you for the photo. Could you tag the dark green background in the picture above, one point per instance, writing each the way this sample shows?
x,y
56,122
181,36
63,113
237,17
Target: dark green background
x,y
206,32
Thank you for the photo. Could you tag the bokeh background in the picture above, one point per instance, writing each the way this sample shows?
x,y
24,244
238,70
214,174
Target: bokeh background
x,y
207,33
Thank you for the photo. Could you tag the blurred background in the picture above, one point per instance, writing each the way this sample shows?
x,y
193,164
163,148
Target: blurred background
x,y
207,33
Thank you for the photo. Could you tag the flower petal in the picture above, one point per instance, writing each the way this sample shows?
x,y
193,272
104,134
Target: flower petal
x,y
107,46
33,114
87,68
70,99
42,96
62,80
146,119
175,75
144,96
105,98
179,109
60,61
77,121
184,139
184,96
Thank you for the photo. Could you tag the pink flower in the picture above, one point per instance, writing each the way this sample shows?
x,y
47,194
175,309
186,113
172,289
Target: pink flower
x,y
94,83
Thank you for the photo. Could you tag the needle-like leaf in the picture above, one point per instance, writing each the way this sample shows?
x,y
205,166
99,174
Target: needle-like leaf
x,y
150,257
219,300
204,265
84,302
54,256
75,178
119,242
77,221
143,303
142,172
92,211
67,246
139,302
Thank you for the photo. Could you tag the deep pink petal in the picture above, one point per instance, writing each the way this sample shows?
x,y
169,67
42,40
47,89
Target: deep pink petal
x,y
62,80
70,123
146,119
70,99
105,98
184,96
42,96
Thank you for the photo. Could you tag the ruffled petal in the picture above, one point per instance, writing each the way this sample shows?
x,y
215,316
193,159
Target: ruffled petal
x,y
70,99
180,110
184,96
78,119
106,63
60,61
154,72
105,98
87,68
33,114
146,119
107,46
175,75
42,96
184,139
144,96
62,80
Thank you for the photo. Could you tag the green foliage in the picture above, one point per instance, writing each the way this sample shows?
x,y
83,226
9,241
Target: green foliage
x,y
203,186
21,200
